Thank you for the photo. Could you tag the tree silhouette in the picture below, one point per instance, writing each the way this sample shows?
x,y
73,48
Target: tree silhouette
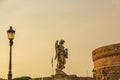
x,y
23,78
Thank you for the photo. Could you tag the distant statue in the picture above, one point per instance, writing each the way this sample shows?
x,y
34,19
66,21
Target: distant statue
x,y
61,54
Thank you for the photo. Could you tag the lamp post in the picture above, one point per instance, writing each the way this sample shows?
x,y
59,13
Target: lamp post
x,y
10,34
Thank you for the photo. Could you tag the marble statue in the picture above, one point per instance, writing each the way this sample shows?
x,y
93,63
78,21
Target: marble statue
x,y
61,55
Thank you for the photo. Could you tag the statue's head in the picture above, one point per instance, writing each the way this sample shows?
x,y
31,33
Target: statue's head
x,y
62,41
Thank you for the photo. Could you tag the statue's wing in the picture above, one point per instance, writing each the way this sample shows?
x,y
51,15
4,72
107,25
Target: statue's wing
x,y
56,49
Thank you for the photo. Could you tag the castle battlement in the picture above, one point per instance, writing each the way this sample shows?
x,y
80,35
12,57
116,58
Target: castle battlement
x,y
106,51
107,62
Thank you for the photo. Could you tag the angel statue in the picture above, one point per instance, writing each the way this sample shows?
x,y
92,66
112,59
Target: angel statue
x,y
61,54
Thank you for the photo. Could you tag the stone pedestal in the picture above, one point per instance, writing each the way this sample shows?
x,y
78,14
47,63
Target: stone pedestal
x,y
60,75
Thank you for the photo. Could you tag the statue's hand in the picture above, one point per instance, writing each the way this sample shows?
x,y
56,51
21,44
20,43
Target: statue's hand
x,y
66,49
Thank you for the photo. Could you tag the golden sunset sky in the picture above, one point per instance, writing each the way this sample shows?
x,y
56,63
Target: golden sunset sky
x,y
84,24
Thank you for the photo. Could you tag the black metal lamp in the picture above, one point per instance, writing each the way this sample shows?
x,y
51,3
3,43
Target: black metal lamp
x,y
11,34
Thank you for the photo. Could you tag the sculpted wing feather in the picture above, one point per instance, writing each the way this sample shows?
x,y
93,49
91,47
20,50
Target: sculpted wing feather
x,y
56,49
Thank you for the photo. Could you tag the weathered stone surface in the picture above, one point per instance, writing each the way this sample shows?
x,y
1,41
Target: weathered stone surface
x,y
60,77
69,77
107,58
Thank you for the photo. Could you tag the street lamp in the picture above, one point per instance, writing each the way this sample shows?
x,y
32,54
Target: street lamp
x,y
10,34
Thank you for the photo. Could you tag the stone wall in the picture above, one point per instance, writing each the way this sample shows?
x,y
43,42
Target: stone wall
x,y
72,77
107,62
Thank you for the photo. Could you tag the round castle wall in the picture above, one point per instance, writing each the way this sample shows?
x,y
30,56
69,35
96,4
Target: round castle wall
x,y
107,58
